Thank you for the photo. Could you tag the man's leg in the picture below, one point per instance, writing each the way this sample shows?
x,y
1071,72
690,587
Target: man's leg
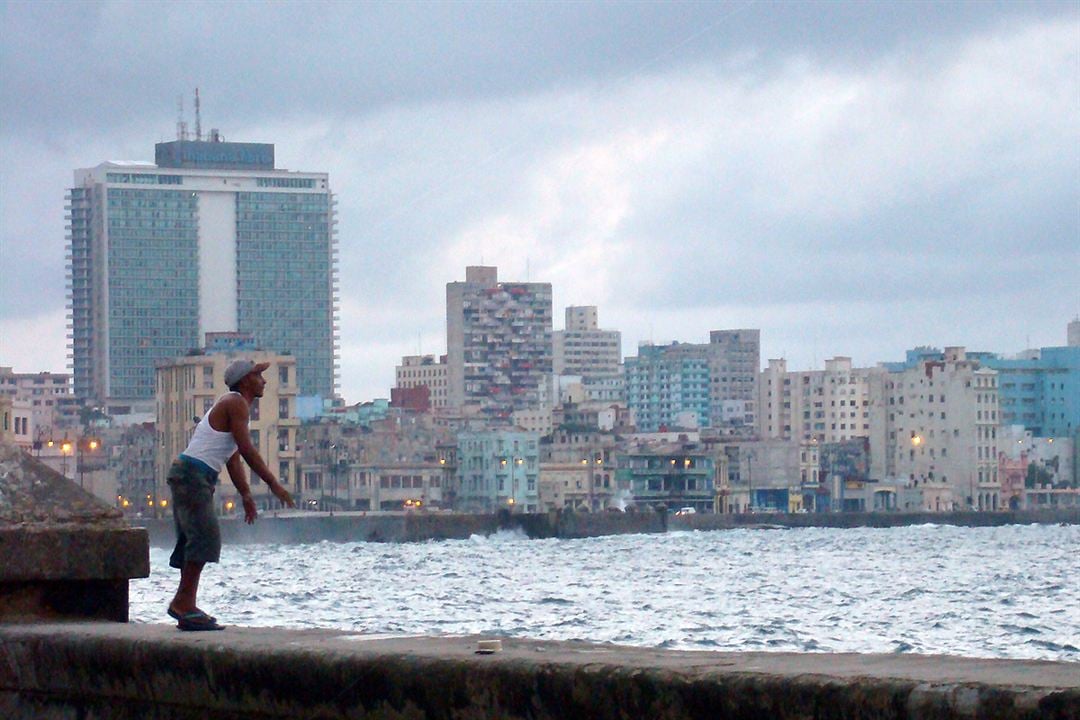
x,y
185,599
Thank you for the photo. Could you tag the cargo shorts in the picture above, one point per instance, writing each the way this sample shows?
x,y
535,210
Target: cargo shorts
x,y
198,537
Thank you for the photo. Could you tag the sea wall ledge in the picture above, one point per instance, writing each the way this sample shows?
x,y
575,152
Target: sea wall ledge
x,y
422,526
112,670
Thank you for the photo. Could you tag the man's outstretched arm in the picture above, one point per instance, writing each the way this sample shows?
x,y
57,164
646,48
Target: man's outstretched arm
x,y
235,467
238,426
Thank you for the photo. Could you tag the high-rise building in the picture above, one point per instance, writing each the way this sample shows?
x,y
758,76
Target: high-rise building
x,y
830,405
1073,333
498,344
715,384
211,237
942,420
585,351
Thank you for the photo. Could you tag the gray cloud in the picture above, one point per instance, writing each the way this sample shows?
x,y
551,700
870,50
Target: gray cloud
x,y
853,178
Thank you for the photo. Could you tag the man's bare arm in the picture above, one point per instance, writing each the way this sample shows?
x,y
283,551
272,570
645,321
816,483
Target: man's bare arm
x,y
239,478
237,410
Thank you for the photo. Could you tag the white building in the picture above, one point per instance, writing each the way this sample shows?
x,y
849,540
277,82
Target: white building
x,y
211,237
36,399
942,425
830,405
424,371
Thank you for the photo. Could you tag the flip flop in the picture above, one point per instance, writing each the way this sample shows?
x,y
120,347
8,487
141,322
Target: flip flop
x,y
176,616
197,620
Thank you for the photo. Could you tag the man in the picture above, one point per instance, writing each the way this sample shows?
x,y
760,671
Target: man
x,y
220,438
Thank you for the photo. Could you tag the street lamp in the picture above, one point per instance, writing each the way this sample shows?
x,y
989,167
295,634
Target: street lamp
x,y
514,461
65,450
83,445
333,476
750,480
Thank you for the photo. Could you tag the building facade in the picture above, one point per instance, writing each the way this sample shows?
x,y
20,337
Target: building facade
x,y
672,475
583,349
211,237
499,346
498,470
714,384
943,419
1041,392
424,371
38,398
187,388
831,405
578,471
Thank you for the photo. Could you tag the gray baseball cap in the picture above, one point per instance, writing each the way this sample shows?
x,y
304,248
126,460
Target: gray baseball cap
x,y
239,369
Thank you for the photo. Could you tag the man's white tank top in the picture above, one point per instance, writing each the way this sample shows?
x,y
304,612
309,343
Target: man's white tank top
x,y
211,446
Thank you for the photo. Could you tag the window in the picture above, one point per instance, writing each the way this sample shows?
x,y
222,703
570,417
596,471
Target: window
x,y
283,408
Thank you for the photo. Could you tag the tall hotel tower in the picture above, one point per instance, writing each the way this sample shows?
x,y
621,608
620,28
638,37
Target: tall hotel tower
x,y
209,238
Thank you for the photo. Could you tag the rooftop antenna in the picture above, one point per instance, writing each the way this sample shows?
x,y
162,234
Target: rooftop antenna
x,y
198,117
181,126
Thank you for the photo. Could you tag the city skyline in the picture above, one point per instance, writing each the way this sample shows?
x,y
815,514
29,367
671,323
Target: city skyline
x,y
851,180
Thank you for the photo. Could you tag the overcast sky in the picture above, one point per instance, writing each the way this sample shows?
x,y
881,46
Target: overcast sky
x,y
851,178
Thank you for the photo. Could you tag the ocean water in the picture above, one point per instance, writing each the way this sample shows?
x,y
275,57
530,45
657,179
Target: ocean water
x,y
1004,592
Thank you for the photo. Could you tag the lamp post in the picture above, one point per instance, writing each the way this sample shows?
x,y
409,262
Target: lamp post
x,y
333,477
513,462
65,450
84,444
750,480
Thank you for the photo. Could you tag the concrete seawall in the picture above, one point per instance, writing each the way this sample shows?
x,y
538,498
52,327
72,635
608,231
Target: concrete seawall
x,y
126,671
414,527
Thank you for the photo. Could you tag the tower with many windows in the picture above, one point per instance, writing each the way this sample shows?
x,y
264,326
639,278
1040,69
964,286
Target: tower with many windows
x,y
211,237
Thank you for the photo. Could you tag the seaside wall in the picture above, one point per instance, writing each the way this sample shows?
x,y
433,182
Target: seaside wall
x,y
414,527
155,672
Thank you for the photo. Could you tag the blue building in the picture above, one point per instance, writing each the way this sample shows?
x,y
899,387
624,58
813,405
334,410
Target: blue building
x,y
498,470
714,384
666,381
211,238
1040,391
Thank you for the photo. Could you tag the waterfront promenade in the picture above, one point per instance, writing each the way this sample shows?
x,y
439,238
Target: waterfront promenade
x,y
122,671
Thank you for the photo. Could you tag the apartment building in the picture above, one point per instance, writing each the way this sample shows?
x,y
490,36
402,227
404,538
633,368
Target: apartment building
x,y
498,470
590,356
187,388
942,421
499,345
831,405
424,371
578,471
715,384
39,401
